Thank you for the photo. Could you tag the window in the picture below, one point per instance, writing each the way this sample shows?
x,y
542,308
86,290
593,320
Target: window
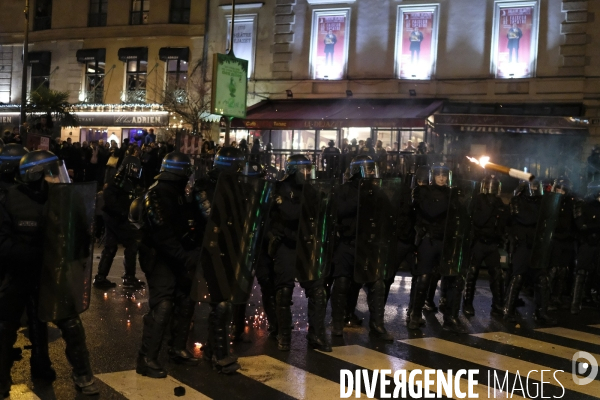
x,y
40,75
94,82
136,80
329,43
180,12
139,12
6,59
43,15
97,15
177,74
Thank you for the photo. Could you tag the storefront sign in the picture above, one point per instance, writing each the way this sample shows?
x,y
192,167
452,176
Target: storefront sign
x,y
416,42
11,118
136,119
230,86
329,124
514,46
244,38
329,43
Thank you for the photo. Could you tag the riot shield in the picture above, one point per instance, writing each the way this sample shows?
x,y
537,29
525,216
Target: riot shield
x,y
232,239
376,231
316,230
66,275
457,232
549,210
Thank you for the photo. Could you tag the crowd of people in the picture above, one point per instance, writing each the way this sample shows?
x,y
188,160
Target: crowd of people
x,y
418,223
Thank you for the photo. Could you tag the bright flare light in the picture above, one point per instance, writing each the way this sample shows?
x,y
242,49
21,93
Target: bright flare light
x,y
484,162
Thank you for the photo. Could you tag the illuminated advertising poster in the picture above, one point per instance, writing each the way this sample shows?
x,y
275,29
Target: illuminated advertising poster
x,y
244,39
229,86
416,40
329,46
515,40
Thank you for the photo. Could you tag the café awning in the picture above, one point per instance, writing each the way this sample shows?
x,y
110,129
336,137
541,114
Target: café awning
x,y
85,55
39,57
174,53
510,124
133,53
338,113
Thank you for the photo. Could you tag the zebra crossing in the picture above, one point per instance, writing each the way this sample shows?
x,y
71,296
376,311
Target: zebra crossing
x,y
515,353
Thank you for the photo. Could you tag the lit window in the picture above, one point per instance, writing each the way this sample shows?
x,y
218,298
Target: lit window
x,y
139,12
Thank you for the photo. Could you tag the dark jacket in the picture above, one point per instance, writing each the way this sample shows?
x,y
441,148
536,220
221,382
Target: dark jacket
x,y
431,205
490,216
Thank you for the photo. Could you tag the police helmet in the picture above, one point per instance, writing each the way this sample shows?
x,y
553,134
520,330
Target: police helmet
x,y
10,155
40,164
129,171
440,169
229,158
175,166
593,190
421,176
491,185
363,166
562,185
253,169
529,189
300,166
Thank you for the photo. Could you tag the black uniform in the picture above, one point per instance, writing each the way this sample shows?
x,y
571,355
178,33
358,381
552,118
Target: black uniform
x,y
168,256
562,253
490,215
331,157
22,215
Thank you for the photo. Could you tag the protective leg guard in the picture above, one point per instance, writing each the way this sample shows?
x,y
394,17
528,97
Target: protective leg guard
x,y
376,302
284,318
443,296
413,287
451,320
351,319
416,316
181,323
40,364
317,307
512,294
542,298
268,299
8,337
155,325
429,300
497,289
578,290
239,321
558,289
339,294
222,360
77,354
469,294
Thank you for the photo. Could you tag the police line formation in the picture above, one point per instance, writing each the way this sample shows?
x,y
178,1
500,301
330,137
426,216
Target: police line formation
x,y
206,240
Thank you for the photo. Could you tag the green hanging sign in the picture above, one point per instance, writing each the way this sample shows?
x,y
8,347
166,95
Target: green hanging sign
x,y
230,86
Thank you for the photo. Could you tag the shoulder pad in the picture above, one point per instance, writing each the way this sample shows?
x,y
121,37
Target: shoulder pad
x,y
153,209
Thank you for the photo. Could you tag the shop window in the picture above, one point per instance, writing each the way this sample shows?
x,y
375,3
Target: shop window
x,y
40,76
97,15
136,80
325,137
43,15
139,12
94,81
180,12
177,71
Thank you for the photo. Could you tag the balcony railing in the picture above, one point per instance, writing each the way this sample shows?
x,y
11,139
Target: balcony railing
x,y
94,96
134,96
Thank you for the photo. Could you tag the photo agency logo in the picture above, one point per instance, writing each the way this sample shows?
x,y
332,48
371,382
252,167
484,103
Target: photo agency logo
x,y
588,368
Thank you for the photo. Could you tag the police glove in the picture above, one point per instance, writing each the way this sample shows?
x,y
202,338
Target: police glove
x,y
274,244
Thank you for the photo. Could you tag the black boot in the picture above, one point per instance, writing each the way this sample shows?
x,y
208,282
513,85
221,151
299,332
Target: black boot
x,y
268,299
317,308
239,322
558,288
429,300
416,316
181,323
284,318
578,290
339,293
411,299
222,360
155,325
376,302
41,367
497,289
101,282
443,296
8,337
77,354
131,282
469,294
511,296
542,298
451,320
351,320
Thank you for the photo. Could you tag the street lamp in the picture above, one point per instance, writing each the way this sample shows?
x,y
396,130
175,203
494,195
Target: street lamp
x,y
25,62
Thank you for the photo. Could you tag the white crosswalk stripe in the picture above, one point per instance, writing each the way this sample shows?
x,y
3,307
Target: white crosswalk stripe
x,y
137,387
501,362
595,326
572,334
21,392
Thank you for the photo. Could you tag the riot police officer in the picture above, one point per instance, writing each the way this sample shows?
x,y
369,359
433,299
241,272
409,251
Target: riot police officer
x,y
489,224
587,220
525,209
118,195
331,158
344,255
282,234
432,204
10,155
232,160
22,247
562,253
169,254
